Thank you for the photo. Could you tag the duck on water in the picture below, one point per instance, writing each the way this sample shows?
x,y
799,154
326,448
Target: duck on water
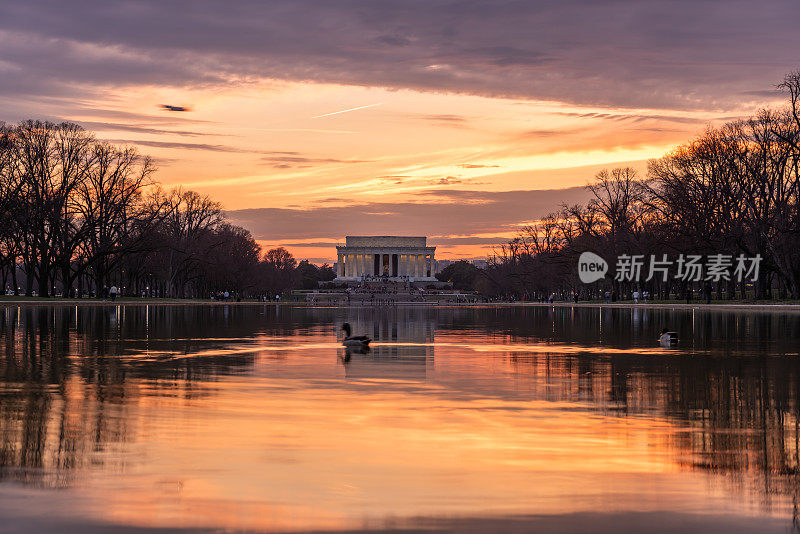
x,y
668,338
354,341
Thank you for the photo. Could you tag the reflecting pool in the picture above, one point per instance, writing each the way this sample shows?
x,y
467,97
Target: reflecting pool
x,y
462,419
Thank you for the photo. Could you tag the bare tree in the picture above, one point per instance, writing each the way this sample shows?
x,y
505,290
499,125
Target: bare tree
x,y
280,271
188,229
115,217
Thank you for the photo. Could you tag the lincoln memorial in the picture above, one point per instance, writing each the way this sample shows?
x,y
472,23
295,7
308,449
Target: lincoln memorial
x,y
392,257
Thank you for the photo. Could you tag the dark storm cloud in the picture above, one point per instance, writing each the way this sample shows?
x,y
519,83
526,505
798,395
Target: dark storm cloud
x,y
394,40
452,213
678,54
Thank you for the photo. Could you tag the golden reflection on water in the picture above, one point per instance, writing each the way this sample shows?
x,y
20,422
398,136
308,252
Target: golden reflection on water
x,y
253,418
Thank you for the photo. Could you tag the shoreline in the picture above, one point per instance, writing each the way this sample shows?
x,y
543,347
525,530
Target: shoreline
x,y
722,306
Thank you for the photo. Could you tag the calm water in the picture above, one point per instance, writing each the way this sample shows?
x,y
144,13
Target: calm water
x,y
459,419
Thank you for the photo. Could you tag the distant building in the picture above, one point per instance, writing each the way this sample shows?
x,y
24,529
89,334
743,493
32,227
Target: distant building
x,y
387,257
480,264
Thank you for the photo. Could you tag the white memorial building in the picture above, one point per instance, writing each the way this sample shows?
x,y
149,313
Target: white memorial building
x,y
386,257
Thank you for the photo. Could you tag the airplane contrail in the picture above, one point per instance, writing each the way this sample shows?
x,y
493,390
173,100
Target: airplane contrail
x,y
346,110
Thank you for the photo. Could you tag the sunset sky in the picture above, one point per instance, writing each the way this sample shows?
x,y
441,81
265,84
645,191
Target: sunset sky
x,y
457,120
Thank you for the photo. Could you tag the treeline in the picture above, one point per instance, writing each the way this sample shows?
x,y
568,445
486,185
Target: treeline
x,y
734,190
78,215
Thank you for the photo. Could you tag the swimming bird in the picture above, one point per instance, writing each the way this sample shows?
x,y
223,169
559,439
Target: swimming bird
x,y
354,341
668,339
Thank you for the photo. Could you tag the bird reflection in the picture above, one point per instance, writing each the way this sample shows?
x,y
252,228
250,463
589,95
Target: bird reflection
x,y
349,351
403,344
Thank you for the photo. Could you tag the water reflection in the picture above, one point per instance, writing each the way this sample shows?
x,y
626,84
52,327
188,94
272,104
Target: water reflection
x,y
402,343
250,416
